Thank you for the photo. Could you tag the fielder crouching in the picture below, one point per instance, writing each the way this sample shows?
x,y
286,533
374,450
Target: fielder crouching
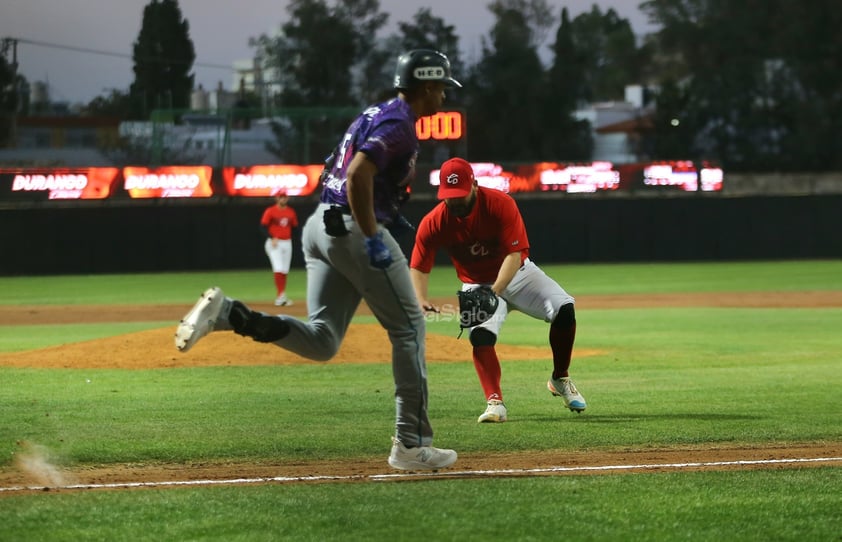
x,y
483,232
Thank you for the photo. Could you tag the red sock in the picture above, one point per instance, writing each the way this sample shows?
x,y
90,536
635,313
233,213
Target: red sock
x,y
561,343
280,282
488,370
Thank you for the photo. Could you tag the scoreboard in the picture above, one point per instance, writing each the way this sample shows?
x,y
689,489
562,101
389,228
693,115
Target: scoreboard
x,y
442,136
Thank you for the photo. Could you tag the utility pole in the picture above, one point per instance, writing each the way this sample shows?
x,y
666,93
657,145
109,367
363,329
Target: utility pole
x,y
12,43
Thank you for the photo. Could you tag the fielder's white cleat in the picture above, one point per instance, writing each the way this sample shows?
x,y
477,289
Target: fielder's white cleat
x,y
200,320
420,458
283,301
495,412
564,388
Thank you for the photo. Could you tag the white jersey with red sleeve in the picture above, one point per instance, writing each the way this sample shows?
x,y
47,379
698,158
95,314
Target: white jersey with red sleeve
x,y
478,243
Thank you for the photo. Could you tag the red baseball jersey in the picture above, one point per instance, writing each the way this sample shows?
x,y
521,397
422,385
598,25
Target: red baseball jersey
x,y
478,243
279,221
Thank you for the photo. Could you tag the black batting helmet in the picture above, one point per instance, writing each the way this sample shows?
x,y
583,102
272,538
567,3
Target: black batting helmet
x,y
420,65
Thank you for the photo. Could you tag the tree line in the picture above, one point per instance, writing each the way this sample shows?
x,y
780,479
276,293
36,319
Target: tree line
x,y
753,85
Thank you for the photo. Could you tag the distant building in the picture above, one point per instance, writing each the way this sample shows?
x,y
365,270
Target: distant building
x,y
66,131
257,77
205,138
616,125
214,100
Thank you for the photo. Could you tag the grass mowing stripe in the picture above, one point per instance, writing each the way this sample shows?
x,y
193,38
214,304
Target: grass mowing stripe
x,y
288,413
747,505
578,279
32,337
699,277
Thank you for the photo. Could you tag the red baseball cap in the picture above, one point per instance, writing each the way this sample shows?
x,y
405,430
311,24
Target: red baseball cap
x,y
280,192
456,177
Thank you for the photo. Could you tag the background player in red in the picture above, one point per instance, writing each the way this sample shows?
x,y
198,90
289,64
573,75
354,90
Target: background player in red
x,y
483,232
278,222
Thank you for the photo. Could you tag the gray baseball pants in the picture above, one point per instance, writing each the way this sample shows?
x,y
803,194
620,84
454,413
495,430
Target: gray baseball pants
x,y
339,276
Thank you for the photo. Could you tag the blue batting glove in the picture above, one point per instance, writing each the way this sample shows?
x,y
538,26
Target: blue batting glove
x,y
378,254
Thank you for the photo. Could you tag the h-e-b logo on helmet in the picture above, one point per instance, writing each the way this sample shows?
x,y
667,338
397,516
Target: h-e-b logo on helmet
x,y
433,73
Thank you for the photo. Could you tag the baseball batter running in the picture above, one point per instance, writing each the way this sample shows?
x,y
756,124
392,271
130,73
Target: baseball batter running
x,y
483,232
351,255
278,221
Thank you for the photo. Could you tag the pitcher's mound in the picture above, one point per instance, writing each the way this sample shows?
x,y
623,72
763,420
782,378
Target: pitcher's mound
x,y
364,343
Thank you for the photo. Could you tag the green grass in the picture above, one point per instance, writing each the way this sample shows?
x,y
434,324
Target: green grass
x,y
32,337
578,279
664,377
699,506
785,276
660,367
138,288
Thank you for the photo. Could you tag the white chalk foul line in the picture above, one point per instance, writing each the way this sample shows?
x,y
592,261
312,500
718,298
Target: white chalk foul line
x,y
544,470
432,474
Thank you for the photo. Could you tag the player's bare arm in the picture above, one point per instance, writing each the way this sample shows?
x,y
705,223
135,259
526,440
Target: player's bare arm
x,y
420,281
361,173
508,268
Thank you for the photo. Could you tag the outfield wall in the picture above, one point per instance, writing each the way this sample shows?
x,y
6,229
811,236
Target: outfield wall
x,y
184,236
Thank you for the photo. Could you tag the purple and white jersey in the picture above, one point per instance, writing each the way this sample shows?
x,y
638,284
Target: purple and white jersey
x,y
386,134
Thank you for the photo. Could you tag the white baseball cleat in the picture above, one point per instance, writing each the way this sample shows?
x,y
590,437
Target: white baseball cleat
x,y
495,412
283,301
200,320
420,458
566,389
